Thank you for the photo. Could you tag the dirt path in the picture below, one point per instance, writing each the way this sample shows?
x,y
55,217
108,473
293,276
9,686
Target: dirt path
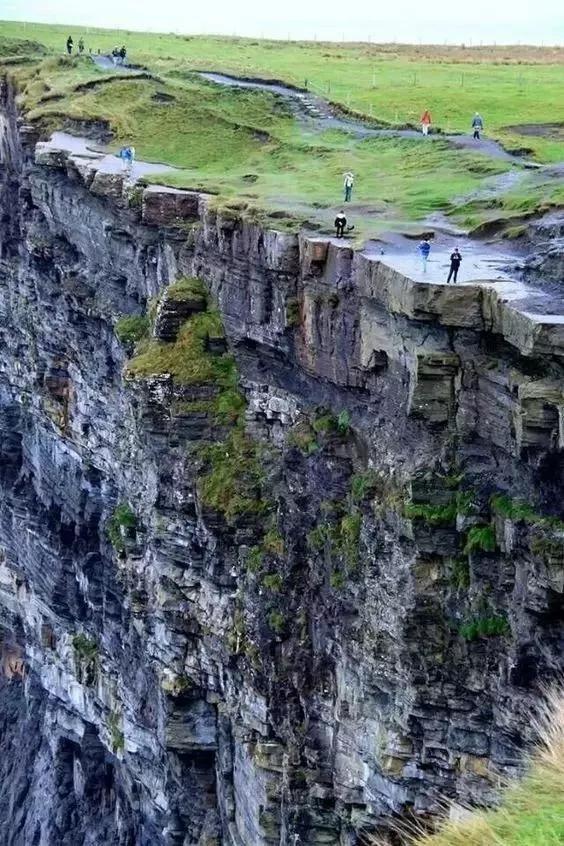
x,y
104,161
324,116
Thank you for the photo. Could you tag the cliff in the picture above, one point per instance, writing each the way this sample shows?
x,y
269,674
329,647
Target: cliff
x,y
286,559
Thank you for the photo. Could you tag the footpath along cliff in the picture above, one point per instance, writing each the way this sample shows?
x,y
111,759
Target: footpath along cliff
x,y
281,553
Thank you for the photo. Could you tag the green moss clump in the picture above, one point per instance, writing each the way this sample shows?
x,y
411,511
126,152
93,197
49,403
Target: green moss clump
x,y
122,520
273,542
326,423
363,484
303,437
132,328
436,515
116,732
187,359
86,656
276,621
318,536
518,510
348,538
254,559
480,627
459,576
273,582
188,289
514,509
340,539
292,311
337,580
480,539
550,549
229,406
85,647
232,481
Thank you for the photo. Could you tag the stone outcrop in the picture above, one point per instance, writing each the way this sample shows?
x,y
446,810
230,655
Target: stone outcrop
x,y
348,615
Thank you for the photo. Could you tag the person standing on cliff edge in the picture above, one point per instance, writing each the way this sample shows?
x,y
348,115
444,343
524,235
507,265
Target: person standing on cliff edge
x,y
340,223
455,259
424,250
70,42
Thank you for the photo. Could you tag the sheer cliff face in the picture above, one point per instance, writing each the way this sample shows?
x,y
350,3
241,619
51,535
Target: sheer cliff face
x,y
325,620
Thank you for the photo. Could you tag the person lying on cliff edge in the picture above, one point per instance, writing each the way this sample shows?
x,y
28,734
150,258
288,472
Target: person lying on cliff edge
x,y
425,122
424,250
348,182
455,259
70,42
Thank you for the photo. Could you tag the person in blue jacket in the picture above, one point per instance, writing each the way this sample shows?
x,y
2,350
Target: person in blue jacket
x,y
424,250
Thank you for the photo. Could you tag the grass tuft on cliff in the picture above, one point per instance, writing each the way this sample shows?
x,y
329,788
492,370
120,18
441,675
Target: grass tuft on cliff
x,y
532,811
187,359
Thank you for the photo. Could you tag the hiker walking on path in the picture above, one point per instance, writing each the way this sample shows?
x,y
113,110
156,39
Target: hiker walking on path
x,y
477,125
424,250
340,223
81,46
127,156
122,54
425,122
70,42
348,182
455,259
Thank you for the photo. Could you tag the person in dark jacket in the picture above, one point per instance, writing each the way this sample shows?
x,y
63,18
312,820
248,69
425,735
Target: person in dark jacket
x,y
70,42
340,223
477,125
455,259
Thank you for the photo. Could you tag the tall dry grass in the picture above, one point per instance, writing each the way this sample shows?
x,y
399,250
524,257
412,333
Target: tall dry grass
x,y
531,812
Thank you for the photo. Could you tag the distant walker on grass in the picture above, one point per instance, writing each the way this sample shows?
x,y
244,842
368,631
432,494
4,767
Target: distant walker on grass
x,y
477,125
424,250
70,42
425,122
81,45
340,223
455,259
122,54
348,182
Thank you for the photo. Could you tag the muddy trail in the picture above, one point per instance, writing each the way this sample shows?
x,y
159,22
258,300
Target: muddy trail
x,y
322,115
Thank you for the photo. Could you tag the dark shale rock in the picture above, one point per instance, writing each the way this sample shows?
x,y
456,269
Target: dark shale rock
x,y
177,690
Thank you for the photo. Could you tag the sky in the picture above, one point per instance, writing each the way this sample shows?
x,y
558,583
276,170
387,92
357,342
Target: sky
x,y
426,21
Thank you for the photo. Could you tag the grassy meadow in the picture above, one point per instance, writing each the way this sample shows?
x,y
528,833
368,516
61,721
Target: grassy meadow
x,y
509,86
247,147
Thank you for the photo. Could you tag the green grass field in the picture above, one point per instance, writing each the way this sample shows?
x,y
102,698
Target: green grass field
x,y
248,148
509,86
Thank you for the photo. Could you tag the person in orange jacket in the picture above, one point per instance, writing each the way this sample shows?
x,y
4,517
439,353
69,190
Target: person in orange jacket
x,y
425,121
